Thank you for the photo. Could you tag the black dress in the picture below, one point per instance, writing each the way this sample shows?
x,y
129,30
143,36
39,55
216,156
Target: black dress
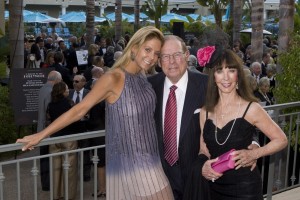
x,y
241,184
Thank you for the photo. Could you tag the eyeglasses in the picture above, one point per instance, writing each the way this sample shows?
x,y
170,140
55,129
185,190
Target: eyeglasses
x,y
76,81
176,56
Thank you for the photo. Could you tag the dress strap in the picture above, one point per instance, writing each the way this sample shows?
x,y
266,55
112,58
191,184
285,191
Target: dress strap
x,y
206,114
247,109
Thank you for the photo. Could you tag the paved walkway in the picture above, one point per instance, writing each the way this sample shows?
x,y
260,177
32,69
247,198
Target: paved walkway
x,y
27,182
293,194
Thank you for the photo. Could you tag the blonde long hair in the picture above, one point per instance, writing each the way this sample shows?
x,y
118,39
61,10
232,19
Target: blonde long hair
x,y
137,40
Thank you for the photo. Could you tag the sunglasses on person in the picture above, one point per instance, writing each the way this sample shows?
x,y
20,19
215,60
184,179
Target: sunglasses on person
x,y
76,81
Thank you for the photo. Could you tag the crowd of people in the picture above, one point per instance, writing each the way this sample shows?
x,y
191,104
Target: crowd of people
x,y
170,108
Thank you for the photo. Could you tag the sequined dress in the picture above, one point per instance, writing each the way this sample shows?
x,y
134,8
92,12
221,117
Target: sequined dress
x,y
241,184
133,166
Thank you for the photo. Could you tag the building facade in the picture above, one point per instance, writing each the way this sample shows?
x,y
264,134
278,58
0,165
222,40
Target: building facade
x,y
55,8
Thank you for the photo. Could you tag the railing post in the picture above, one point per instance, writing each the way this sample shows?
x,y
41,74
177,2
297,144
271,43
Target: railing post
x,y
81,175
2,178
95,160
66,166
18,180
51,176
289,135
270,177
35,173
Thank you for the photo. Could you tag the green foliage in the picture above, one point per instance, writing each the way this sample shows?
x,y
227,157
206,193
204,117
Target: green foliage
x,y
288,82
4,50
2,69
7,127
152,7
195,27
297,18
288,88
77,29
108,30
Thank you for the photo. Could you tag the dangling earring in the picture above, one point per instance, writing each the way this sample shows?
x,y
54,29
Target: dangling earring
x,y
237,86
132,56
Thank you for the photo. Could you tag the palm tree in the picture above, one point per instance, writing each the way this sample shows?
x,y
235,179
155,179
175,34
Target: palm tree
x,y
118,21
136,15
236,8
90,21
216,7
16,34
286,23
155,9
257,30
286,26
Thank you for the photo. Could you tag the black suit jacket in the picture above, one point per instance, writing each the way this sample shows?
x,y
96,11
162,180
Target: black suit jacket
x,y
71,93
65,74
263,69
81,125
189,139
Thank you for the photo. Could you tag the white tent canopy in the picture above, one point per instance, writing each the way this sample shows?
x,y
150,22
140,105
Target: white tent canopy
x,y
249,30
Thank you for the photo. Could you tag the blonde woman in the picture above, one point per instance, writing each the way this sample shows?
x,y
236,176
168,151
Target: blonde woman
x,y
133,166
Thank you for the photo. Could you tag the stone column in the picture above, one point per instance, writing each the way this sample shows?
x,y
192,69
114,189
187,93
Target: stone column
x,y
64,8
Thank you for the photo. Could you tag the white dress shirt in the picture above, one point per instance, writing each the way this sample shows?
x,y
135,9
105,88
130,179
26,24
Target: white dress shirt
x,y
75,95
180,97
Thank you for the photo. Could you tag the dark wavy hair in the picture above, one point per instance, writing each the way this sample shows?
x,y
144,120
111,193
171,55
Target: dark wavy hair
x,y
231,60
58,91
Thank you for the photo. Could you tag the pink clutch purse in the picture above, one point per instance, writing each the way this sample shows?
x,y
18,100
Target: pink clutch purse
x,y
224,162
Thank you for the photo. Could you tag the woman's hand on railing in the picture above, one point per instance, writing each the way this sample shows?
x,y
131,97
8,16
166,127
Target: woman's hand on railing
x,y
30,141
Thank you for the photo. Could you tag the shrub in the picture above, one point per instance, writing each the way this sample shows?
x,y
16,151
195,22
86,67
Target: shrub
x,y
288,87
7,126
288,82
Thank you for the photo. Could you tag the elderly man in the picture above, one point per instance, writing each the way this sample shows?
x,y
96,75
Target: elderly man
x,y
96,72
190,95
43,101
77,94
256,70
192,63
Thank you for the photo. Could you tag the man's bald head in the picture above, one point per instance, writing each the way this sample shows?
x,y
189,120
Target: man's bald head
x,y
97,72
54,77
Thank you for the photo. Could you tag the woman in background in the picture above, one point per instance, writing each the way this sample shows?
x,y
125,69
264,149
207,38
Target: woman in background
x,y
263,91
60,103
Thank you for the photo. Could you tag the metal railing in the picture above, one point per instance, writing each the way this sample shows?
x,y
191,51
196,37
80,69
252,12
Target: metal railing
x,y
283,170
12,177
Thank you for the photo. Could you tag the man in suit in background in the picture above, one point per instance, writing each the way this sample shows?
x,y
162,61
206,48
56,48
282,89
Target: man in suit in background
x,y
266,58
190,96
256,71
77,94
58,66
43,101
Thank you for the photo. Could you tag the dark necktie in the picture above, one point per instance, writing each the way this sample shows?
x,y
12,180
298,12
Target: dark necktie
x,y
170,128
77,98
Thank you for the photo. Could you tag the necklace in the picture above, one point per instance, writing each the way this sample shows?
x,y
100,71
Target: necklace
x,y
216,126
225,112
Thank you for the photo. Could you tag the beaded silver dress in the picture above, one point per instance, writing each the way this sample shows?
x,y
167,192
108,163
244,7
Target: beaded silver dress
x,y
133,166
